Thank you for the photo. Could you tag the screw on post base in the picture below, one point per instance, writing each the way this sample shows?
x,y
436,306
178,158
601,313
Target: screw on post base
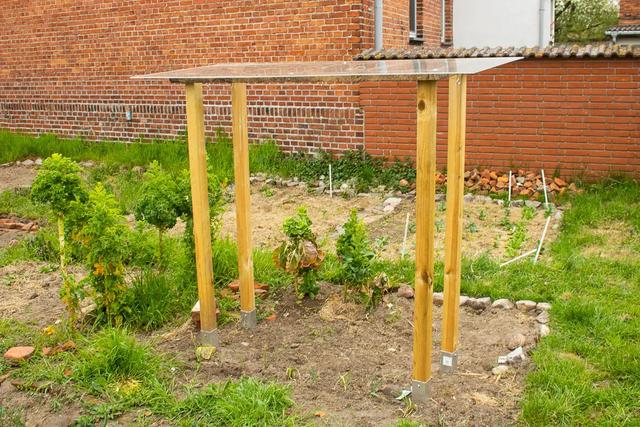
x,y
248,319
448,362
420,391
210,338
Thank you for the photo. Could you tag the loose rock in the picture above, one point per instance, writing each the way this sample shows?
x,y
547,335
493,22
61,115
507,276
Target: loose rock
x,y
500,370
19,354
405,291
532,204
479,303
438,298
543,317
503,303
543,306
205,352
517,340
526,305
393,201
28,162
543,330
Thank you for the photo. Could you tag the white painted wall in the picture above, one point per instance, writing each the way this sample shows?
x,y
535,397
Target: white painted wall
x,y
501,23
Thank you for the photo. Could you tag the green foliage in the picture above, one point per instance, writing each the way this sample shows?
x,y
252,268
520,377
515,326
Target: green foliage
x,y
247,402
155,300
584,20
356,255
104,237
300,255
58,184
159,203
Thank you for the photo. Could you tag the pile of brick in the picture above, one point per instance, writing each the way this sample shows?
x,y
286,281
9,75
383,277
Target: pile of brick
x,y
523,183
12,224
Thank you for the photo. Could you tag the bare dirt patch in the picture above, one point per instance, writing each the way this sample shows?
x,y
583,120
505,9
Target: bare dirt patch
x,y
352,367
16,176
482,233
29,293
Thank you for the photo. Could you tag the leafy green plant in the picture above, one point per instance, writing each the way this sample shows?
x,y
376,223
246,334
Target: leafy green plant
x,y
58,185
528,213
104,236
299,254
356,272
160,201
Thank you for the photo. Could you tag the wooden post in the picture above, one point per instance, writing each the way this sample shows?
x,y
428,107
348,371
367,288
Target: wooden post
x,y
201,220
453,230
425,238
243,202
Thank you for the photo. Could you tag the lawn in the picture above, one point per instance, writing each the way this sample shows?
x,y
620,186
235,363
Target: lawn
x,y
586,372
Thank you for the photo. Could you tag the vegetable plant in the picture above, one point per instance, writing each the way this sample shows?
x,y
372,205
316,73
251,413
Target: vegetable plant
x,y
356,272
58,185
104,236
299,254
160,201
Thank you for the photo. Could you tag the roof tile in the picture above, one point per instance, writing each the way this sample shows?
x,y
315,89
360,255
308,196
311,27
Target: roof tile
x,y
597,50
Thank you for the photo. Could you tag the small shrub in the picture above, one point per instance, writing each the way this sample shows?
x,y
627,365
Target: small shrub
x,y
58,185
103,236
356,272
160,202
299,254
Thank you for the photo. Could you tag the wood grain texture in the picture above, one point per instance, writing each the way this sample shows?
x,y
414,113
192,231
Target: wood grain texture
x,y
200,204
425,229
455,195
243,194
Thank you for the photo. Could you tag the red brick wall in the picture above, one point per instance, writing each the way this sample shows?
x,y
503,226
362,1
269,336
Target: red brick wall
x,y
65,66
629,12
571,115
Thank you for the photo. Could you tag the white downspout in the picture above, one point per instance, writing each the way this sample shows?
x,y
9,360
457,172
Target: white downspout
x,y
541,20
377,14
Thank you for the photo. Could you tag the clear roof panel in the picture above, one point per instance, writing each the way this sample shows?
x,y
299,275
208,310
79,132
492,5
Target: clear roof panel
x,y
397,69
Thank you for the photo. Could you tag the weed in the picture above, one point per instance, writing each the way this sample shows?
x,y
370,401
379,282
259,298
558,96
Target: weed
x,y
482,216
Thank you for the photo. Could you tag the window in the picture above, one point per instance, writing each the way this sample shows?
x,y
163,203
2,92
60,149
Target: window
x,y
413,19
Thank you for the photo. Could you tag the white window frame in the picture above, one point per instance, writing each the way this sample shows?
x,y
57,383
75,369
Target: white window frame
x,y
413,10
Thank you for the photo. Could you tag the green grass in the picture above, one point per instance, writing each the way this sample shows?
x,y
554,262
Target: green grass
x,y
247,402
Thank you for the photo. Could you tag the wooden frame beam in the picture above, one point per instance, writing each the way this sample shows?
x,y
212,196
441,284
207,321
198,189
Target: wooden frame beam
x,y
453,231
427,114
240,129
201,219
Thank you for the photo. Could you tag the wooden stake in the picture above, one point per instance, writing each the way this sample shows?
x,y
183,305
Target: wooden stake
x,y
243,202
425,234
453,231
200,205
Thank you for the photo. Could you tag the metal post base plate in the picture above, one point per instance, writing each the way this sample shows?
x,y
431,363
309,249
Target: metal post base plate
x,y
248,319
448,362
210,338
420,391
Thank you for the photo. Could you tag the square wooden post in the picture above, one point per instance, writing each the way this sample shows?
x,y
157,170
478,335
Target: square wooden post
x,y
425,238
201,219
453,230
240,126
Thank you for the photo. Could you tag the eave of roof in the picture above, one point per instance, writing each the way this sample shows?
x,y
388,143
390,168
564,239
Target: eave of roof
x,y
598,50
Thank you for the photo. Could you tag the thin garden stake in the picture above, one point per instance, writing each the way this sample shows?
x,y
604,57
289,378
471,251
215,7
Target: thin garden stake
x,y
519,257
330,182
544,233
509,202
404,240
544,185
